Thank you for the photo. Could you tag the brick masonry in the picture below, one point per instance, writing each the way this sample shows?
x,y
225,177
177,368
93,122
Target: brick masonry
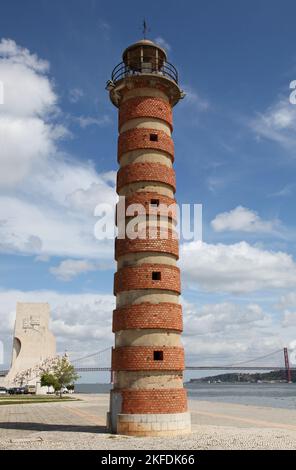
x,y
142,358
154,245
167,205
154,401
145,106
138,138
138,172
142,82
164,315
148,98
140,277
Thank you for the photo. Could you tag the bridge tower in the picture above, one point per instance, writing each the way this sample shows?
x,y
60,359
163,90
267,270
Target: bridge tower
x,y
287,366
148,398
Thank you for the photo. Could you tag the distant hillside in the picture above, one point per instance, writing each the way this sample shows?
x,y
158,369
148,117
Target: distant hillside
x,y
276,375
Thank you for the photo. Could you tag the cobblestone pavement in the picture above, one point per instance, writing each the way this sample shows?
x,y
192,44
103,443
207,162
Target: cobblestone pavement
x,y
22,421
81,425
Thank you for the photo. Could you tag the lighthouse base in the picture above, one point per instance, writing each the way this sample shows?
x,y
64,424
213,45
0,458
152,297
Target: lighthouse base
x,y
152,424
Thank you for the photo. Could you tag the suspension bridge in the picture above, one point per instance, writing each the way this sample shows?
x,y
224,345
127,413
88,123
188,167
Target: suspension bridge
x,y
280,358
280,355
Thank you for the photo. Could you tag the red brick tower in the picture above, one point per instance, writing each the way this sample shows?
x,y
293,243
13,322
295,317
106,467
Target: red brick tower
x,y
148,397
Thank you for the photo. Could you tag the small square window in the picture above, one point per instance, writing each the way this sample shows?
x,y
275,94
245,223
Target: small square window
x,y
154,202
158,355
154,137
156,276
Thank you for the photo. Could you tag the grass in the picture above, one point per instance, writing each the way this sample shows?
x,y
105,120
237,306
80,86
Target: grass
x,y
29,399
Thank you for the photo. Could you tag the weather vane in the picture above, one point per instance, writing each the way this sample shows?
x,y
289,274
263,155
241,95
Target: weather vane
x,y
145,29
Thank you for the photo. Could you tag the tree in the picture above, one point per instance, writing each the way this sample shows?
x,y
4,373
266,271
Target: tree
x,y
49,380
64,373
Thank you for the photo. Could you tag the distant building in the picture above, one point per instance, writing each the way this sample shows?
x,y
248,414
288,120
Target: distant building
x,y
33,342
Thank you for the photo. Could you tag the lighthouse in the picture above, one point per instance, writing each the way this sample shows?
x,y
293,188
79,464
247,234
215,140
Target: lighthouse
x,y
148,397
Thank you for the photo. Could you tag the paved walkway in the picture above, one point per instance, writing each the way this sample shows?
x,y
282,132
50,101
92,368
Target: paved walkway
x,y
22,421
81,425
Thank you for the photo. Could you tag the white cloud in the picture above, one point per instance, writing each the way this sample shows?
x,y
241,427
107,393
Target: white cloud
x,y
60,231
226,333
50,213
277,123
105,29
244,220
213,333
221,317
81,322
25,142
236,268
289,319
163,43
86,121
287,307
70,268
75,94
54,196
216,183
42,258
287,300
27,133
194,99
27,93
9,50
74,185
230,349
286,191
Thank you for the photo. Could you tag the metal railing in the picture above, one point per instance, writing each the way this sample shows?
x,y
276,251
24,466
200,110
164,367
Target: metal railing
x,y
164,69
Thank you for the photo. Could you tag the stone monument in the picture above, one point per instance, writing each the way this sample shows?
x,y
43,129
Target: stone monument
x,y
33,342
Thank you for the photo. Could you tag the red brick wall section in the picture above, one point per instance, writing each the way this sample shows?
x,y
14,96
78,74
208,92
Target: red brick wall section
x,y
137,172
140,277
154,245
135,139
145,106
164,315
141,358
171,400
145,198
142,82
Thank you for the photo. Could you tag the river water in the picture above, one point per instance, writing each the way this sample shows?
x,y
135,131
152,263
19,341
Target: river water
x,y
274,395
279,395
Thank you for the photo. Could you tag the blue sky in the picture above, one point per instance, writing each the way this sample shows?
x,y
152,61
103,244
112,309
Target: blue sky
x,y
235,153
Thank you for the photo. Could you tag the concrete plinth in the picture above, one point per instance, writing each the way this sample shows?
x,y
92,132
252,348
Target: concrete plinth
x,y
153,424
